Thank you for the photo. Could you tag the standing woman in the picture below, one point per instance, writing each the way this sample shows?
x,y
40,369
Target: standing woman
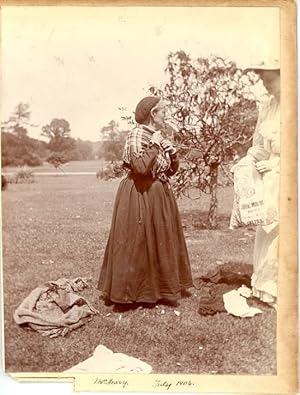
x,y
146,258
266,144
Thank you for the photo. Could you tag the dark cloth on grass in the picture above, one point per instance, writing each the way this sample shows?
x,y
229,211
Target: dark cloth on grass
x,y
211,301
229,273
219,281
146,257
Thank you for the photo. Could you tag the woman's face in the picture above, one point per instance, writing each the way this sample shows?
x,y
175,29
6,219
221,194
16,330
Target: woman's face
x,y
271,81
158,115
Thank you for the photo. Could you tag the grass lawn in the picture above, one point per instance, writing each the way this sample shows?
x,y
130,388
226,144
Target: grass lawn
x,y
58,226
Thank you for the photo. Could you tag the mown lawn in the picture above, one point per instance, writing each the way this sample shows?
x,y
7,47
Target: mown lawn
x,y
58,226
72,167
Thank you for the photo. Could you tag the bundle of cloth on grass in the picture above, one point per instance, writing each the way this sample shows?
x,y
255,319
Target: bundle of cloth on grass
x,y
218,282
54,309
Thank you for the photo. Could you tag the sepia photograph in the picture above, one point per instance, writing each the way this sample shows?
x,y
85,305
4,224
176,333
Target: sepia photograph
x,y
144,166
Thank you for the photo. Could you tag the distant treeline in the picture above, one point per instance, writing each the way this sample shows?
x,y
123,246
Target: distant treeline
x,y
20,150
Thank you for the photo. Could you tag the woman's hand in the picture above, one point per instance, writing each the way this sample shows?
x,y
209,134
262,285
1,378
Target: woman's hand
x,y
264,166
168,147
156,138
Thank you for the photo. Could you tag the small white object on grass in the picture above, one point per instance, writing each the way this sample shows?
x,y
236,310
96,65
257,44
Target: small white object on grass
x,y
177,312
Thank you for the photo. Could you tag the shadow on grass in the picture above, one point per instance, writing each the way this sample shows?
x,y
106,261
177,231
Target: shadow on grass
x,y
197,219
123,307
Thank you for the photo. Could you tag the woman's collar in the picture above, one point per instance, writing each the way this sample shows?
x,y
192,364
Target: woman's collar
x,y
149,128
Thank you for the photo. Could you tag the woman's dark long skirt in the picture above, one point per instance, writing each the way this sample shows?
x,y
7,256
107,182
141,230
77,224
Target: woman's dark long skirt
x,y
146,257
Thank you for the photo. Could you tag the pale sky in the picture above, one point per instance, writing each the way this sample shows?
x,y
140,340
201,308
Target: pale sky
x,y
84,63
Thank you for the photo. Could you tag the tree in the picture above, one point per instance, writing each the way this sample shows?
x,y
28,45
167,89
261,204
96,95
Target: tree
x,y
211,106
14,152
22,114
17,148
19,120
110,132
113,141
60,144
84,150
57,131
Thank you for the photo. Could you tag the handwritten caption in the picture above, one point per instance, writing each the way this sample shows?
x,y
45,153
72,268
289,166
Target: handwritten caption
x,y
168,385
112,382
158,384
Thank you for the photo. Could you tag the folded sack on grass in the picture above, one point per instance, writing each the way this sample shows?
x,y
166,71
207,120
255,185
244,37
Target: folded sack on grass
x,y
54,309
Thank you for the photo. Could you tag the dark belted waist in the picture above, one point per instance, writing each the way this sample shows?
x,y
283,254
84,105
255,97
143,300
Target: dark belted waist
x,y
148,177
143,183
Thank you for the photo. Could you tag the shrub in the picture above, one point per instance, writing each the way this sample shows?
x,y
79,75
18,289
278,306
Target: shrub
x,y
22,176
111,171
32,160
118,170
3,182
58,158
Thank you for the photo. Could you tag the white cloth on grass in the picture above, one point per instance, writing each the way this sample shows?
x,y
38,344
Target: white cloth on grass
x,y
106,361
237,305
